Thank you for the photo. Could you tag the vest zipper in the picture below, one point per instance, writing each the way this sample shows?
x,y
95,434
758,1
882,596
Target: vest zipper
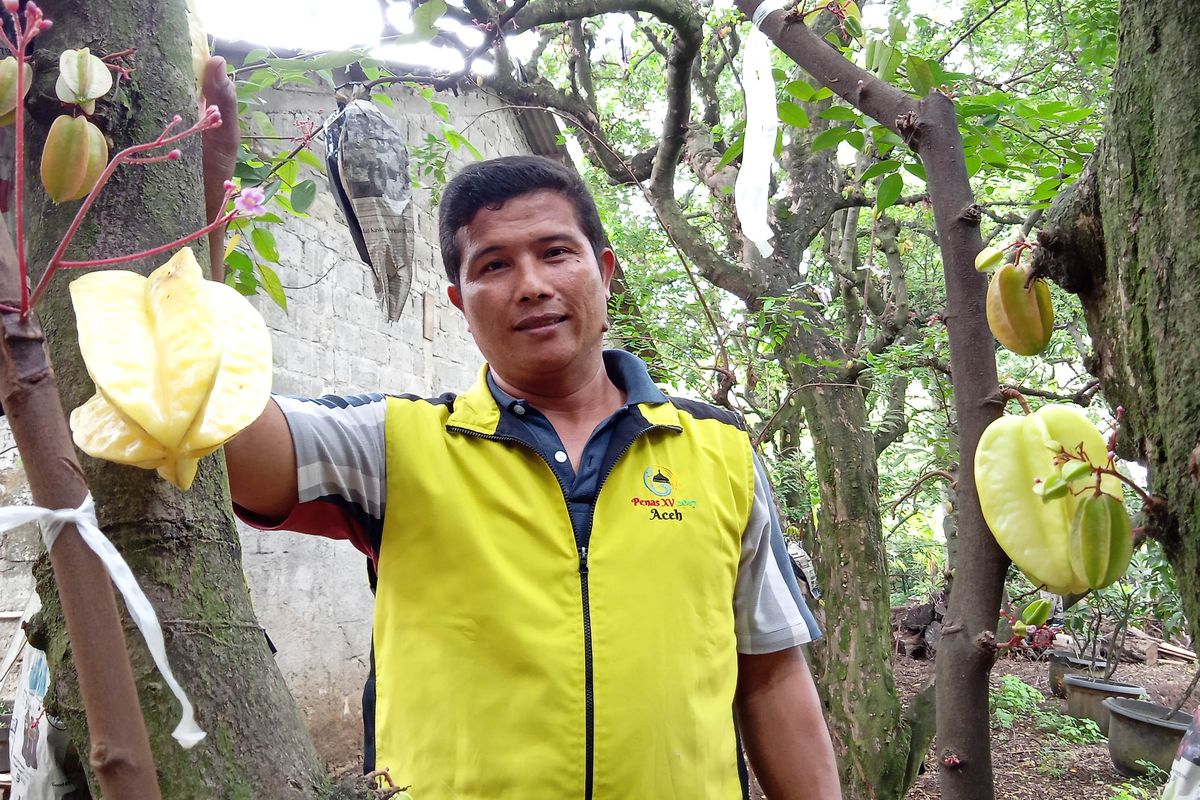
x,y
582,549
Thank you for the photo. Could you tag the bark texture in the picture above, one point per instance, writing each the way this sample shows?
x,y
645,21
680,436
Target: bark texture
x,y
184,548
1126,240
869,732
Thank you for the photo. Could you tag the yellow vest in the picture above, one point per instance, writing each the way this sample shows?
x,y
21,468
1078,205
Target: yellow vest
x,y
512,661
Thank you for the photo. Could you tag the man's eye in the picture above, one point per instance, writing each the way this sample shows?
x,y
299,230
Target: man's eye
x,y
491,266
555,252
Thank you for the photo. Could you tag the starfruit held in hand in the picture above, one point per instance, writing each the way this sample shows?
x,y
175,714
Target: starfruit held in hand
x,y
1013,455
1101,539
73,158
1021,318
181,364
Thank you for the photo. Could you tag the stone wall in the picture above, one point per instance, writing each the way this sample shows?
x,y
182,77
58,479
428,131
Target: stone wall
x,y
311,593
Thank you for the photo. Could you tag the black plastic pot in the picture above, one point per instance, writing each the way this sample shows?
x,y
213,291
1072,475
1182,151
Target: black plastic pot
x,y
1063,664
1086,696
1138,732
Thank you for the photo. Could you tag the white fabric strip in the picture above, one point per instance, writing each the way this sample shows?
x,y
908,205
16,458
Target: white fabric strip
x,y
187,732
765,8
758,149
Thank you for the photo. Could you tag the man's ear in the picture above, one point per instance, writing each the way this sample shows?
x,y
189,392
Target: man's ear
x,y
608,265
455,296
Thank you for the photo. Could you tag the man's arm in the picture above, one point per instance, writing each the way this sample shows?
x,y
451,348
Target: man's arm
x,y
262,466
783,729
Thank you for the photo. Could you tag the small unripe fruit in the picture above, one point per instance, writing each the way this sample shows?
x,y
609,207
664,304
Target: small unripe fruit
x,y
1021,318
73,158
1101,540
8,88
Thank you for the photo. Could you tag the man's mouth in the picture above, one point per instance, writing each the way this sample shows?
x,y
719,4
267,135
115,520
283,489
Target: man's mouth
x,y
540,322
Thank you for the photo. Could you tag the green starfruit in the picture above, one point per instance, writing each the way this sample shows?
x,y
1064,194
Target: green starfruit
x,y
1037,612
1021,318
1012,456
73,158
1101,540
8,88
988,259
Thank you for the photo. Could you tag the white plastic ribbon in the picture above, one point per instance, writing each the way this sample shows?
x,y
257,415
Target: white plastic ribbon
x,y
758,150
187,732
765,8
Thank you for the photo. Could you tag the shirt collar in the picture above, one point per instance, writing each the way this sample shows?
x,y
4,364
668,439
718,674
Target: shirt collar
x,y
627,372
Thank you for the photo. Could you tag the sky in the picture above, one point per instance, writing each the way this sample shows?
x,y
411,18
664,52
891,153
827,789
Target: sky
x,y
325,25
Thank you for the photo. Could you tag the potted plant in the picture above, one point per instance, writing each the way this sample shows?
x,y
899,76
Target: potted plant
x,y
1141,731
1086,696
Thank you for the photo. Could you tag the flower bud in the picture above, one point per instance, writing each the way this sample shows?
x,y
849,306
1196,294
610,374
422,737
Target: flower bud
x,y
12,6
75,154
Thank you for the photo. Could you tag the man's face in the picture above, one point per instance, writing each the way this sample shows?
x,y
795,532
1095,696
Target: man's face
x,y
530,287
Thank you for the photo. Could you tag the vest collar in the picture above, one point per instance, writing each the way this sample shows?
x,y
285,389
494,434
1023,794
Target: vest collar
x,y
476,410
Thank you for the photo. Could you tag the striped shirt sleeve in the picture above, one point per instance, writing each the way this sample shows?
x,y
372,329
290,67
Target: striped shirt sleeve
x,y
340,468
769,610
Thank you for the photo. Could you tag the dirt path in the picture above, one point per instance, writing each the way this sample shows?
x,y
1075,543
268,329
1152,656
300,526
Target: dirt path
x,y
1031,764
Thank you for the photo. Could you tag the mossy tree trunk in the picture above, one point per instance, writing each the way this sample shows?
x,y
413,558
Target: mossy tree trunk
x,y
869,732
183,547
1127,241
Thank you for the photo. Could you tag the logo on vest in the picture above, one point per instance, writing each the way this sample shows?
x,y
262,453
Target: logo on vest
x,y
660,482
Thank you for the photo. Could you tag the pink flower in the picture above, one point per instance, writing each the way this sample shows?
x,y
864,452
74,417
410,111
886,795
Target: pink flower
x,y
250,203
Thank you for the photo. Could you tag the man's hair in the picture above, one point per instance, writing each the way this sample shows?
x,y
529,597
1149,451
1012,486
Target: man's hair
x,y
490,184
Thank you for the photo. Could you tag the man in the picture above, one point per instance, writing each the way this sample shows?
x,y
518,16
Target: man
x,y
577,590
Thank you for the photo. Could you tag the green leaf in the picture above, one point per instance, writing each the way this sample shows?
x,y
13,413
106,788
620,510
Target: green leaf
x,y
310,158
792,114
916,170
303,194
830,138
264,244
1074,470
427,14
856,139
881,168
257,54
800,90
272,285
1075,116
1054,488
888,192
441,109
839,114
239,261
1046,189
920,76
382,99
262,123
325,61
733,151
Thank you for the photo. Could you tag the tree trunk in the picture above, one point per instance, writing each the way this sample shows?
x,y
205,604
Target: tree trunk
x,y
183,548
869,733
1126,240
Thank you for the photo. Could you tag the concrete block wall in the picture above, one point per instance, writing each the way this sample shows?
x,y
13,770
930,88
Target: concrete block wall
x,y
309,592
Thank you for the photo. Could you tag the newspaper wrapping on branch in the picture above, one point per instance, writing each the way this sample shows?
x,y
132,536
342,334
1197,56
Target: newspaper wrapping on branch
x,y
367,161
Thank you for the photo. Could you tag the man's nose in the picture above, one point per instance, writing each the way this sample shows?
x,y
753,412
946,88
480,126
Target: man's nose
x,y
533,280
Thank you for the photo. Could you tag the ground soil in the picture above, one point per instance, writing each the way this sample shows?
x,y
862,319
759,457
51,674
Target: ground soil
x,y
1031,764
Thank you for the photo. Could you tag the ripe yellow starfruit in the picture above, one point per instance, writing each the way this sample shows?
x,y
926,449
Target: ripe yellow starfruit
x,y
8,89
1017,453
1101,539
181,364
75,155
1021,318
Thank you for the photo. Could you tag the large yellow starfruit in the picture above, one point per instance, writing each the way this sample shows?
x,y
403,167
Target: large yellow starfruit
x,y
1017,453
1021,318
181,364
